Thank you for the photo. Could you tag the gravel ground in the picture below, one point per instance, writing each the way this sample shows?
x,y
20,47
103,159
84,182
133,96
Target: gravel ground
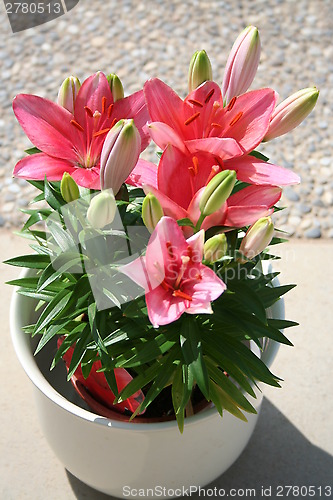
x,y
138,40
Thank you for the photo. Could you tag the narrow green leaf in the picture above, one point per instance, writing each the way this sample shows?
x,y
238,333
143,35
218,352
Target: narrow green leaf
x,y
79,351
222,401
31,261
190,342
269,295
52,310
259,155
33,151
185,222
228,387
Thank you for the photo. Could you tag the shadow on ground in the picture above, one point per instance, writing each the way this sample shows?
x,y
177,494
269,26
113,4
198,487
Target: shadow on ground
x,y
277,455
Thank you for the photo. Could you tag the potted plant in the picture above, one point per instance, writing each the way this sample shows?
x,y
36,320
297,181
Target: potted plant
x,y
149,287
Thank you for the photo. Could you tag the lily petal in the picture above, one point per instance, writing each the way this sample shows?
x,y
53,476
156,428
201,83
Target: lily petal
x,y
170,208
255,195
87,177
175,174
144,172
137,271
196,243
134,106
164,105
249,119
238,217
254,171
36,167
47,125
163,308
222,147
91,94
163,135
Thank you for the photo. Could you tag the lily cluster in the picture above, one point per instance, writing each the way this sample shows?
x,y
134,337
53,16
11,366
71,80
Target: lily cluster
x,y
207,204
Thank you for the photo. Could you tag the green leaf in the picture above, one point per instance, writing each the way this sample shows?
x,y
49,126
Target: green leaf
x,y
52,197
79,351
164,374
250,300
48,334
211,348
140,381
52,310
31,261
185,222
269,295
281,324
33,151
181,391
190,342
259,155
69,340
228,387
222,401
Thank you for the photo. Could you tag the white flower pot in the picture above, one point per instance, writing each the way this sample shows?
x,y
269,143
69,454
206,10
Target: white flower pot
x,y
110,455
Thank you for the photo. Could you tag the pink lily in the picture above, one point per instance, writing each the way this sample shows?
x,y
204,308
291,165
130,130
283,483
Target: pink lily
x,y
200,127
173,276
201,122
73,142
241,209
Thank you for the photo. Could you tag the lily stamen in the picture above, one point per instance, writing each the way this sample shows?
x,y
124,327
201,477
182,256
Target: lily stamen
x,y
195,103
209,96
77,125
236,119
192,118
231,104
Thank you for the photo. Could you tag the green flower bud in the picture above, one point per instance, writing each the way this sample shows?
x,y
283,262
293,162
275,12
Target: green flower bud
x,y
200,70
215,248
102,209
152,212
217,192
68,92
68,188
257,238
116,87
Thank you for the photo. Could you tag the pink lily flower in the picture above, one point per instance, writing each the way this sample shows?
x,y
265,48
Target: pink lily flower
x,y
205,132
173,276
73,142
241,209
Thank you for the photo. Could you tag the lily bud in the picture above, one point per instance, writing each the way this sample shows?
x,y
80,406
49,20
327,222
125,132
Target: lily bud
x,y
215,248
291,112
102,210
120,153
217,192
257,238
68,92
200,70
69,189
152,212
116,87
242,64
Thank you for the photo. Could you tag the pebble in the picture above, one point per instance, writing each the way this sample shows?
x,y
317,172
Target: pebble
x,y
314,232
291,194
142,42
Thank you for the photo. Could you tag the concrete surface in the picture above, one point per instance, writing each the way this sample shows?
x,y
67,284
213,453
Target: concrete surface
x,y
292,444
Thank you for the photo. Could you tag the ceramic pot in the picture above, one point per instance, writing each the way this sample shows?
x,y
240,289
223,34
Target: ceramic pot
x,y
95,449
